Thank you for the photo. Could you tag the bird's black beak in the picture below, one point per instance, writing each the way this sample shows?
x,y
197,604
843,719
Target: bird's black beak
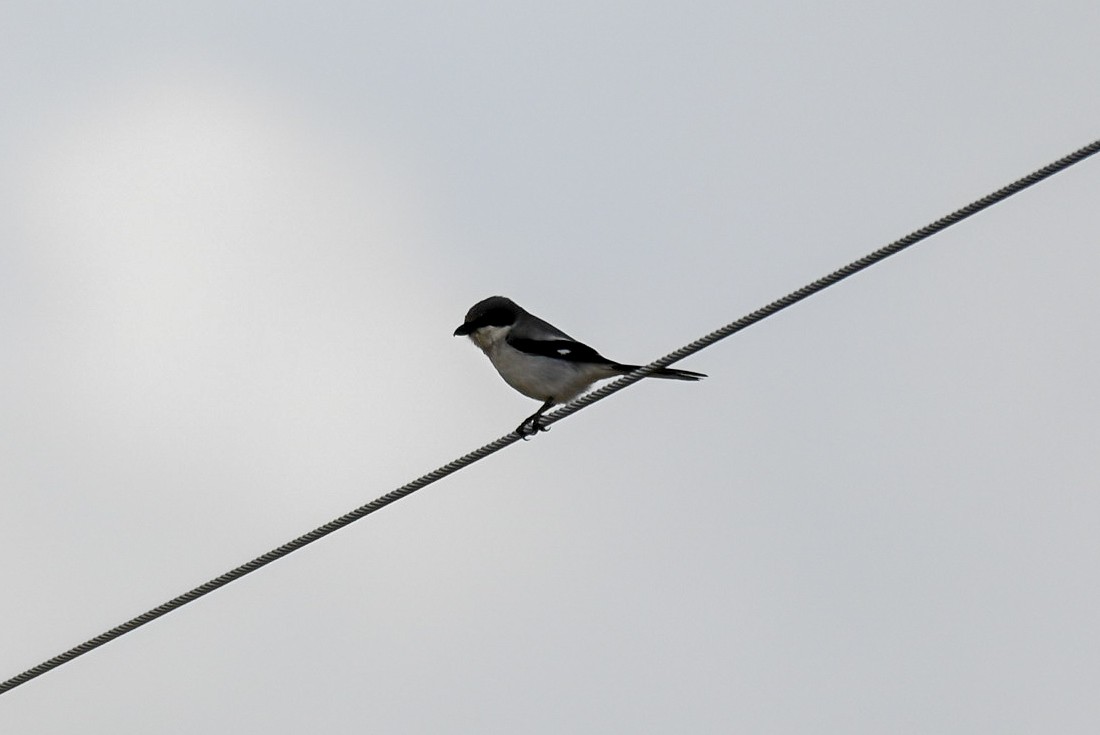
x,y
464,330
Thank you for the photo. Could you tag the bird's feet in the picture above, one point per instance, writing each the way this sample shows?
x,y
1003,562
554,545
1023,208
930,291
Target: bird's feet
x,y
531,426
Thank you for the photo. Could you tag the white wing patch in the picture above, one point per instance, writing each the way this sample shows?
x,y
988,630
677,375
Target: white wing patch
x,y
564,351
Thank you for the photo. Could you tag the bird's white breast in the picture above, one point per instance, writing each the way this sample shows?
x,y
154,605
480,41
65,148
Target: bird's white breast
x,y
535,376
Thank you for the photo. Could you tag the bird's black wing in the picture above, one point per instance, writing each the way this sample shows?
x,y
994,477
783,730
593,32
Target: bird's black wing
x,y
559,349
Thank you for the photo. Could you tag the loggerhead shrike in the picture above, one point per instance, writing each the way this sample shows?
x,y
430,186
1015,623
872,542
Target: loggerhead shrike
x,y
538,359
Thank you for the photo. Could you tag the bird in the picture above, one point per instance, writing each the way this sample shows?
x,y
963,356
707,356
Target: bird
x,y
539,360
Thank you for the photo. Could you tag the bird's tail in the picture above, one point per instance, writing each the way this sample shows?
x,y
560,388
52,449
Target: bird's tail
x,y
671,373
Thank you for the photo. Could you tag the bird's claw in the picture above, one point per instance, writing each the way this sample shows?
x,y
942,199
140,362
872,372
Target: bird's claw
x,y
530,427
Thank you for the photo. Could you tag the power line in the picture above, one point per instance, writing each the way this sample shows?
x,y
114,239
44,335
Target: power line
x,y
576,405
822,283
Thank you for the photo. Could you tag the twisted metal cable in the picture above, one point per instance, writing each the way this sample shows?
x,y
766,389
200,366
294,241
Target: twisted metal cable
x,y
260,561
574,406
822,283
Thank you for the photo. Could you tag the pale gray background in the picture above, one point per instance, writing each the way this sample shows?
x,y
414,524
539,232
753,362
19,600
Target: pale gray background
x,y
235,239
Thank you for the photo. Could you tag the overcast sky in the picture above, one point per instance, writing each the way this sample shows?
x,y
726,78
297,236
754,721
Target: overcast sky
x,y
235,239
